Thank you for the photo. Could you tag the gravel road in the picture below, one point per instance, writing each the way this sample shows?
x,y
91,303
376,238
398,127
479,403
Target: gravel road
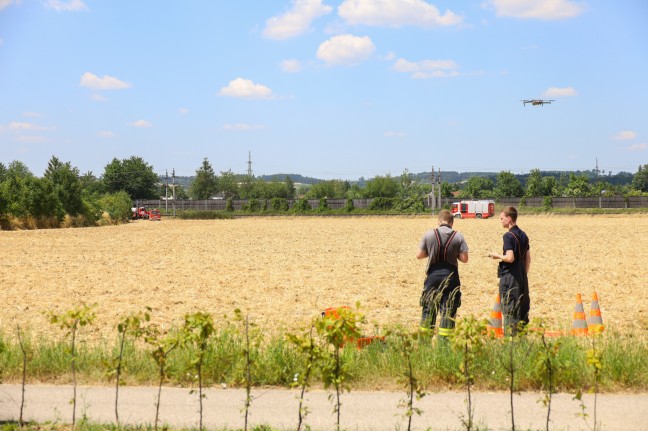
x,y
360,410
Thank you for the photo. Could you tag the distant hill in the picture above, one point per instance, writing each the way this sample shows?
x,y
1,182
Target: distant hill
x,y
452,177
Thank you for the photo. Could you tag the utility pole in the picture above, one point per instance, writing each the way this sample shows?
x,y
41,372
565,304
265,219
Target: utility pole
x,y
433,200
249,163
166,193
439,181
174,194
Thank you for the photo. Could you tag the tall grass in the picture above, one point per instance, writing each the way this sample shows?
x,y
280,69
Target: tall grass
x,y
378,366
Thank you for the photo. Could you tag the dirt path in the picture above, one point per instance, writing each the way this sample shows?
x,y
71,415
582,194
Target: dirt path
x,y
360,410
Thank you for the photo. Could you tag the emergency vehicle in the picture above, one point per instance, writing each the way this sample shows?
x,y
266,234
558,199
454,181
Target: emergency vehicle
x,y
473,209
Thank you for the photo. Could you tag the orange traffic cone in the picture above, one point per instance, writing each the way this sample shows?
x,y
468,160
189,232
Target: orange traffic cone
x,y
494,327
595,321
579,327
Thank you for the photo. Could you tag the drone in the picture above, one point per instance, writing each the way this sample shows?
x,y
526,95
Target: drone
x,y
536,102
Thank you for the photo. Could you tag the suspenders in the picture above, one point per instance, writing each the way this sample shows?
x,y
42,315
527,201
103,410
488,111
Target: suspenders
x,y
442,249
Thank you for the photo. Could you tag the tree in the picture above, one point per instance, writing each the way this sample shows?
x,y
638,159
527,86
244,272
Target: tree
x,y
14,189
3,172
508,186
228,185
381,187
290,185
534,184
640,179
67,186
204,185
134,176
578,186
332,189
478,188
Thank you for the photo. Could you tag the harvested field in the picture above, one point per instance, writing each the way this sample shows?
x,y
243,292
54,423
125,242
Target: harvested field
x,y
284,270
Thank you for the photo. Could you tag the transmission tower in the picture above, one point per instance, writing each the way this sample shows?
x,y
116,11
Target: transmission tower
x,y
249,163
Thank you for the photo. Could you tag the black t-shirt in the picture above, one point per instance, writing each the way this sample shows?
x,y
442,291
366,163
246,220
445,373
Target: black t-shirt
x,y
515,239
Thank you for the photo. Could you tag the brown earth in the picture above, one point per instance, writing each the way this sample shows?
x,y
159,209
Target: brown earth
x,y
283,270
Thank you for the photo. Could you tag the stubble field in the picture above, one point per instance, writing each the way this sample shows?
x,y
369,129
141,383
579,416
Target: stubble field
x,y
283,271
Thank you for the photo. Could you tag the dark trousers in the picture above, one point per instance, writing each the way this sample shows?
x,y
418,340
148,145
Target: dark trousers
x,y
441,297
514,295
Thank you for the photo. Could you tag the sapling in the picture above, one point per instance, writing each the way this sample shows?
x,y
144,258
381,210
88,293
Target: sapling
x,y
26,355
547,363
162,344
130,325
406,344
70,321
468,339
198,328
510,365
594,359
253,339
312,353
336,329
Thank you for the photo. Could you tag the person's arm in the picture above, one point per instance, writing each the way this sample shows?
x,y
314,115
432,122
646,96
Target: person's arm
x,y
421,254
508,257
527,261
463,257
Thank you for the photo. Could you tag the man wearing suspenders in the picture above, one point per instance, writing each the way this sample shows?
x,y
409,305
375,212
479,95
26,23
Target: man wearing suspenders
x,y
444,248
512,272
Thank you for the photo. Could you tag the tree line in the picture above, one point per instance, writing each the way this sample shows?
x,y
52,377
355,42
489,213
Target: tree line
x,y
64,195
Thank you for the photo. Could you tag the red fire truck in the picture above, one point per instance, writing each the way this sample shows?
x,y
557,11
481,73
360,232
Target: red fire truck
x,y
473,209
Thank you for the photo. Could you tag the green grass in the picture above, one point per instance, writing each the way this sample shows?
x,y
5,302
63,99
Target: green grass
x,y
378,366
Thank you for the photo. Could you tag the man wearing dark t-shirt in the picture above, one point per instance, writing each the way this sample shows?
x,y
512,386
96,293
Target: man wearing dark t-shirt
x,y
512,272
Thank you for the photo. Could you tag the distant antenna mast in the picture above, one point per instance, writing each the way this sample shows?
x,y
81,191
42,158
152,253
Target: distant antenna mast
x,y
597,169
249,163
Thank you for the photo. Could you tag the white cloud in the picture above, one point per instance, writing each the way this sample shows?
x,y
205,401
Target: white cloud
x,y
559,92
6,3
291,65
91,80
245,88
242,126
183,110
392,134
19,126
536,9
105,134
625,135
31,139
427,68
31,114
637,147
346,49
69,6
396,13
141,124
295,21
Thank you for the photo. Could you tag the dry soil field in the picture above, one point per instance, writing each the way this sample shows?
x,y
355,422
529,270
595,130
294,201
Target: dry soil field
x,y
283,271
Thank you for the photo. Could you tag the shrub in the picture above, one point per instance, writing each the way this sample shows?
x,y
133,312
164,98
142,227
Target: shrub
x,y
349,207
117,205
323,205
279,204
547,202
302,206
381,204
229,206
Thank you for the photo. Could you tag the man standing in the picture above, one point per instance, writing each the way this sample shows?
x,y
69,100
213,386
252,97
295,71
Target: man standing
x,y
512,272
443,247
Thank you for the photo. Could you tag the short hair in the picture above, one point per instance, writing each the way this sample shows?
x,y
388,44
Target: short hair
x,y
445,216
510,212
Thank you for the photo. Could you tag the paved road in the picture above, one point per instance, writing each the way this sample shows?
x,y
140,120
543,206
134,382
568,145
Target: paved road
x,y
360,410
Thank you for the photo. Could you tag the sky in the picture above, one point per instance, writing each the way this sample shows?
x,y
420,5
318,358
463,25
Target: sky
x,y
333,89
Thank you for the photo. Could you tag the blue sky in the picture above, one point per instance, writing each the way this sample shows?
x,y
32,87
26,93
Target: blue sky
x,y
325,88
